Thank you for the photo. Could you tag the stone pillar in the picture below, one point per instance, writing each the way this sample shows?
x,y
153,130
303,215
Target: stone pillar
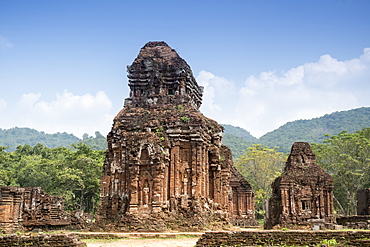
x,y
195,171
198,161
134,203
173,171
284,200
322,204
207,172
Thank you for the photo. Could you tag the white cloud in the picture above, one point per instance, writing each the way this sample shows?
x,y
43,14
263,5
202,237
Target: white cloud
x,y
271,99
28,100
68,112
365,58
5,43
214,88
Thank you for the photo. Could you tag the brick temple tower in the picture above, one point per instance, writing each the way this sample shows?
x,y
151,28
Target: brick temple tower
x,y
165,166
304,192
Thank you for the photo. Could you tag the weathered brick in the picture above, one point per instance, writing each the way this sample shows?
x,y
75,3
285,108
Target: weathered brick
x,y
165,166
303,194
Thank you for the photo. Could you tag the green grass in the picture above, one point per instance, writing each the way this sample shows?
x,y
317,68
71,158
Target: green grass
x,y
168,238
261,222
59,231
187,236
100,240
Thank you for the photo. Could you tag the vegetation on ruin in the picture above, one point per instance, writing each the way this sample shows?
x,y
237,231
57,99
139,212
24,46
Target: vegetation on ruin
x,y
73,173
185,119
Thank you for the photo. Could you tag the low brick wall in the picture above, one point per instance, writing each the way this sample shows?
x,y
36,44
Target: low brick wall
x,y
285,238
355,222
42,240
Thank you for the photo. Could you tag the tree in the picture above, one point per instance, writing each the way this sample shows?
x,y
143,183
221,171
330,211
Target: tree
x,y
98,135
260,166
99,142
346,157
88,164
73,174
7,177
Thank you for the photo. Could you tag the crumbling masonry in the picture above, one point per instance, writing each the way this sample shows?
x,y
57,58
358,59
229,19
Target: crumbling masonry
x,y
165,166
30,207
302,194
363,202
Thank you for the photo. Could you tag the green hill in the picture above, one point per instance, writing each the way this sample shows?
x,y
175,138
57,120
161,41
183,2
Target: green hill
x,y
237,139
314,130
99,142
239,132
20,136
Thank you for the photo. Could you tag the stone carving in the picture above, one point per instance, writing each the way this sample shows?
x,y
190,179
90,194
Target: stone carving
x,y
30,207
165,166
302,194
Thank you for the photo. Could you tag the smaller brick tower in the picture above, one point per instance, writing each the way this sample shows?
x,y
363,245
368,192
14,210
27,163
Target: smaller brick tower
x,y
302,193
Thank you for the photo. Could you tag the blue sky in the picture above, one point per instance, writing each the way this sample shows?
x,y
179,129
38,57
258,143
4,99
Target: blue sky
x,y
262,63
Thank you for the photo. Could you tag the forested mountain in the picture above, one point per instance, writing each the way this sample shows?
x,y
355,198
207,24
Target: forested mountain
x,y
239,132
19,136
237,139
99,142
312,130
14,137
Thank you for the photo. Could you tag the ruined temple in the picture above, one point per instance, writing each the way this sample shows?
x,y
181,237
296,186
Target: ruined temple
x,y
302,194
30,207
166,167
363,202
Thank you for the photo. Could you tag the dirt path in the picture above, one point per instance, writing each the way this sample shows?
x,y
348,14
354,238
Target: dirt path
x,y
182,242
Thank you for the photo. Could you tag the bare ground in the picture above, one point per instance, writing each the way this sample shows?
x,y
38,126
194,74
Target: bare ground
x,y
182,242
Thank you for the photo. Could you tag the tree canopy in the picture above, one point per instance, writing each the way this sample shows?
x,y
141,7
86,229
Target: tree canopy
x,y
260,166
73,173
346,157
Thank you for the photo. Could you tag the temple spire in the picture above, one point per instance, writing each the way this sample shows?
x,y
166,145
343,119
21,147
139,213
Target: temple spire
x,y
160,76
